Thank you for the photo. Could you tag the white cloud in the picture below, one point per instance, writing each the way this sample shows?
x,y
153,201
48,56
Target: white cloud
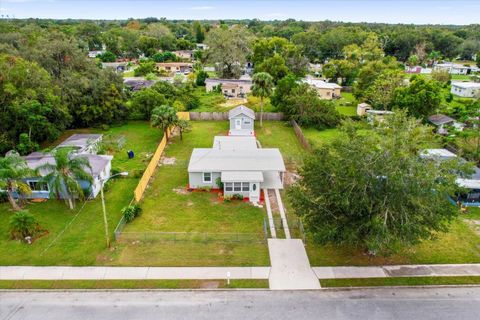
x,y
202,8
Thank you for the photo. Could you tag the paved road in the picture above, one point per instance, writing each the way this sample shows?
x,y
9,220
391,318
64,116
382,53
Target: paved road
x,y
384,304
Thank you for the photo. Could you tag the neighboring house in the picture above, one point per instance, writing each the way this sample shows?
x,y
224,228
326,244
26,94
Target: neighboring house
x,y
174,67
325,90
231,88
471,183
136,84
377,115
85,145
466,89
452,68
241,121
413,69
362,109
184,54
117,66
441,121
315,68
95,53
240,166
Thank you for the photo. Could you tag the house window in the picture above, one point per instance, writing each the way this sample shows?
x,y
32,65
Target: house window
x,y
245,186
237,186
38,186
246,121
228,186
207,177
233,90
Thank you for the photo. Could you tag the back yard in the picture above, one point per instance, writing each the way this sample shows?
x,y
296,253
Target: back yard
x,y
76,237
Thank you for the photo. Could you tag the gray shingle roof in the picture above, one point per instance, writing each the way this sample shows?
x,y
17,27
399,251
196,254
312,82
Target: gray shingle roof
x,y
241,110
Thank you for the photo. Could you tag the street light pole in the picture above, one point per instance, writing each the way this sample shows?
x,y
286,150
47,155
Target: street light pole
x,y
105,220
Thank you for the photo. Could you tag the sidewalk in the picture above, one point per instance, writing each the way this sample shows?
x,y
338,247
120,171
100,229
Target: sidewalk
x,y
132,273
433,270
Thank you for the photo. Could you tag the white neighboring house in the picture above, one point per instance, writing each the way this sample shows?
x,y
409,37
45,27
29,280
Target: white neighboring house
x,y
325,90
441,121
362,108
241,121
231,88
466,89
95,53
452,68
84,145
239,165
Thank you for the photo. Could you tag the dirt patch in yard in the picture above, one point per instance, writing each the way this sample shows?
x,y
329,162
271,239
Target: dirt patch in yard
x,y
168,161
290,177
180,190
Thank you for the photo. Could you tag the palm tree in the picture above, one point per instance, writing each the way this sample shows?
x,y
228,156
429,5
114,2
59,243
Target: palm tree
x,y
63,177
164,117
12,170
262,87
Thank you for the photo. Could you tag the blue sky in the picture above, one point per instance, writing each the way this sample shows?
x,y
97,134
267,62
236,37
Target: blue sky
x,y
390,11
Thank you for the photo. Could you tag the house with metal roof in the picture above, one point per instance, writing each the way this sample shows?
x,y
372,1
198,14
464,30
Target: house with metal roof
x,y
325,90
466,89
241,121
236,165
83,145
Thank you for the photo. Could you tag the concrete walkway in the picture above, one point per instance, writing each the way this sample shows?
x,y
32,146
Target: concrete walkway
x,y
432,270
132,273
271,223
282,214
290,268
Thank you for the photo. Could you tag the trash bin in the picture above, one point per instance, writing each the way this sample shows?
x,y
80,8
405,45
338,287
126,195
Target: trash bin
x,y
130,154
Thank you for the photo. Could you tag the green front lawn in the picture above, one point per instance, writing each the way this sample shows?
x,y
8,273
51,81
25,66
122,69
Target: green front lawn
x,y
76,237
347,104
168,207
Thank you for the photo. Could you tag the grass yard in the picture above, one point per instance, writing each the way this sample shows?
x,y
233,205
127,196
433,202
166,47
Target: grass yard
x,y
278,134
216,102
167,207
404,281
75,238
347,104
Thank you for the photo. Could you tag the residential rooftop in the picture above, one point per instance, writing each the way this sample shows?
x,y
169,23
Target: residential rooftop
x,y
80,140
320,84
241,110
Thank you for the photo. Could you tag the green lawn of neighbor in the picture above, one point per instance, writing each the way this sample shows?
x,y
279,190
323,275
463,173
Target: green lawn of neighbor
x,y
347,104
80,237
403,281
167,207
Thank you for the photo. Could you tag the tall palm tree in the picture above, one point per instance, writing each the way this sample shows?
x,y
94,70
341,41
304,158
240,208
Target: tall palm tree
x,y
262,87
164,117
12,170
63,177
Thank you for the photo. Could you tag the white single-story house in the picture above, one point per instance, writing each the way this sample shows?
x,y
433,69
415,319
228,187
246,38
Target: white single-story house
x,y
325,90
241,121
452,68
202,46
84,145
242,169
95,53
231,88
466,89
441,121
471,183
174,67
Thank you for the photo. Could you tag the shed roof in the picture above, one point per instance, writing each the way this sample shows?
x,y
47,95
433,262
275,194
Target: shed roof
x,y
466,85
234,142
242,176
439,119
468,183
241,110
437,153
215,160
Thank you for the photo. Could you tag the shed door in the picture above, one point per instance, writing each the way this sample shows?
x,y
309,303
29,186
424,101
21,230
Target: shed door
x,y
238,124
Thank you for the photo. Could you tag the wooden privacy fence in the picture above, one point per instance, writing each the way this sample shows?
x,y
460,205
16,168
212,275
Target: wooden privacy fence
x,y
147,174
298,132
223,116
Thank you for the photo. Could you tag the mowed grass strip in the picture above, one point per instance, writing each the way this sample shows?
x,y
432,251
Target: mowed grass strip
x,y
132,284
407,281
